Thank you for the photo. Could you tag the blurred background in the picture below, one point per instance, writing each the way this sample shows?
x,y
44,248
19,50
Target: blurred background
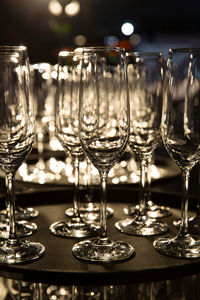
x,y
46,26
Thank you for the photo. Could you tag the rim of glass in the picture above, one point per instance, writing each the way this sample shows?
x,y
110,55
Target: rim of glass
x,y
64,53
81,50
171,50
103,48
132,53
13,47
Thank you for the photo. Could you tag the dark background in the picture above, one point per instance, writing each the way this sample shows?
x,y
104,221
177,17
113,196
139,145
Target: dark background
x,y
160,24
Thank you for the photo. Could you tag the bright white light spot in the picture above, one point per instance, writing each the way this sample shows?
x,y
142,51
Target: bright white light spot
x,y
54,74
123,163
127,28
80,40
123,178
55,8
72,9
115,180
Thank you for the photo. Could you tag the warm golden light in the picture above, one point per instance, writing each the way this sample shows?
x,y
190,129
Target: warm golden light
x,y
72,9
55,8
80,40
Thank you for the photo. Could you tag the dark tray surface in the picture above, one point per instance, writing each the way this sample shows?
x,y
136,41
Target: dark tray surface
x,y
59,266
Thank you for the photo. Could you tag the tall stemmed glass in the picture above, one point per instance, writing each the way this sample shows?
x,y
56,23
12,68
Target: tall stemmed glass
x,y
16,141
153,210
145,119
181,137
66,123
22,213
23,227
104,131
42,93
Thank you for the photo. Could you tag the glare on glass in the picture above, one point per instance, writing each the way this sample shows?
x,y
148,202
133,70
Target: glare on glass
x,y
104,132
181,137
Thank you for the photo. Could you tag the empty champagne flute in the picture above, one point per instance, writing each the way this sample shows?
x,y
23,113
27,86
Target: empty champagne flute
x,y
145,119
16,141
22,213
42,94
181,137
103,132
66,123
153,210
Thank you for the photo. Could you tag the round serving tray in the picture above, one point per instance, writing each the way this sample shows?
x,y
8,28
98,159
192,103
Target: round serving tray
x,y
59,266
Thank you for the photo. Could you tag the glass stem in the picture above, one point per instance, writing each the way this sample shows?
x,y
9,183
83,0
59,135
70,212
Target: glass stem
x,y
184,206
11,207
148,190
76,189
143,185
37,291
103,223
40,146
89,183
198,200
7,204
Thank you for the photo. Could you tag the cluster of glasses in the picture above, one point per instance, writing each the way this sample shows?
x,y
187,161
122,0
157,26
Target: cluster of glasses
x,y
92,120
105,100
108,99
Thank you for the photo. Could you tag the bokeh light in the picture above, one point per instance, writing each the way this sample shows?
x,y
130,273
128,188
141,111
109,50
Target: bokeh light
x,y
135,39
80,40
55,8
72,9
127,28
110,40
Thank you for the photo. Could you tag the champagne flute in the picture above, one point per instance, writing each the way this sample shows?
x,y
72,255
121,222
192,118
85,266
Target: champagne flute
x,y
145,120
16,141
42,82
66,118
22,213
181,137
23,227
104,132
153,210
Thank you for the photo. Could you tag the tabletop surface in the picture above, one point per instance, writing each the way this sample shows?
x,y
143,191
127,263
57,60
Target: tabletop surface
x,y
59,265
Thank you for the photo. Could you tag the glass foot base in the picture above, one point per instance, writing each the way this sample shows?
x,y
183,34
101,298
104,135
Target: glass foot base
x,y
144,228
153,211
90,212
74,230
22,213
178,247
93,251
23,228
27,213
20,252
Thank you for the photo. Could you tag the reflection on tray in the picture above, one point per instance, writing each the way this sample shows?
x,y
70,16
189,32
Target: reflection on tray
x,y
59,171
